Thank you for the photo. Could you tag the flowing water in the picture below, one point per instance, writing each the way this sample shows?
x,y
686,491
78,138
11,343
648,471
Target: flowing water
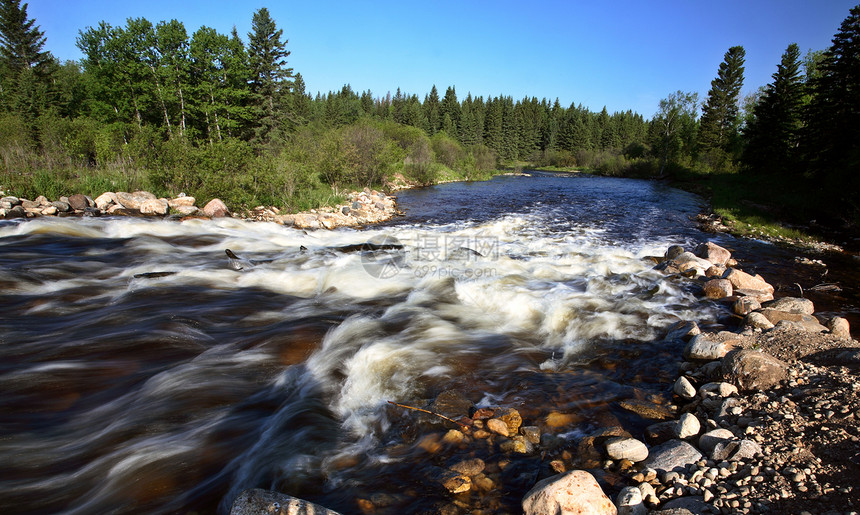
x,y
144,370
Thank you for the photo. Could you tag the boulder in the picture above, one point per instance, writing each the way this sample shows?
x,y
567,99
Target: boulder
x,y
758,321
717,289
684,389
743,306
106,200
839,328
79,202
181,201
306,221
701,348
673,251
16,212
621,448
573,492
629,502
709,440
688,261
674,455
759,295
791,305
745,281
62,206
257,501
753,370
133,200
186,210
805,322
683,330
713,253
687,426
215,208
154,207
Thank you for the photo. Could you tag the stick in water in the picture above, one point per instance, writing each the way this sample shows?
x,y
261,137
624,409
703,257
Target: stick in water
x,y
431,413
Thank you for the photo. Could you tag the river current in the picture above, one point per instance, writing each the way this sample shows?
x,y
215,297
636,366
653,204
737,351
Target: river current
x,y
142,369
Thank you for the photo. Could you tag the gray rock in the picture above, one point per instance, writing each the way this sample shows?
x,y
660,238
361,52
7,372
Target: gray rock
x,y
709,440
792,305
753,370
684,389
806,322
16,212
258,501
62,206
79,202
674,455
701,348
759,295
758,321
673,252
743,306
629,502
690,504
713,253
572,492
683,330
344,210
622,448
687,426
839,328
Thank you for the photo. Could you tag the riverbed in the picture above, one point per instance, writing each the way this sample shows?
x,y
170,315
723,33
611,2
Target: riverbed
x,y
142,369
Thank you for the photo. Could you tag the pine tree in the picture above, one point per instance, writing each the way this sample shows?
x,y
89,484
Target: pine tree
x,y
431,111
719,125
25,83
773,133
270,78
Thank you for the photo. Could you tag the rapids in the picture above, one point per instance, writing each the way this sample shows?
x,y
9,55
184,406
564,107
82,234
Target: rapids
x,y
144,370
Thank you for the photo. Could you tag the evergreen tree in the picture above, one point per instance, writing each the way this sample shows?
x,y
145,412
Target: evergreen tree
x,y
451,107
773,133
270,78
719,124
431,111
25,83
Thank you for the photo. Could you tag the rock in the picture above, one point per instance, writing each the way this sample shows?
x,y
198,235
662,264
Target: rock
x,y
344,210
452,481
701,348
687,426
451,403
683,330
717,289
511,417
186,210
106,200
498,426
660,432
453,436
646,409
684,389
306,221
31,205
758,321
713,253
683,505
758,295
792,305
258,501
629,502
62,207
688,261
621,448
674,455
806,322
743,280
471,467
743,306
133,200
753,370
49,210
16,212
839,327
215,208
78,202
715,271
154,207
673,251
747,449
720,389
182,201
531,434
8,202
709,440
728,450
573,492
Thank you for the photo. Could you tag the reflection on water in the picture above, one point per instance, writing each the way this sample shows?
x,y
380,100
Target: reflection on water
x,y
144,370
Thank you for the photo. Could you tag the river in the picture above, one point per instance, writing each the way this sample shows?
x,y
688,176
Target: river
x,y
144,370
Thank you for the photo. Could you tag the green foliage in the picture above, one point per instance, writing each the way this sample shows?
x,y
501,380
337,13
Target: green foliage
x,y
719,131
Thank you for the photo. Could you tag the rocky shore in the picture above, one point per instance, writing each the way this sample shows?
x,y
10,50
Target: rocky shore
x,y
763,419
363,207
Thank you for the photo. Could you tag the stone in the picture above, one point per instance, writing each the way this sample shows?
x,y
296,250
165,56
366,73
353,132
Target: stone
x,y
753,370
646,409
713,253
133,200
673,251
154,207
62,206
257,501
660,432
715,271
747,449
721,389
743,280
683,330
792,305
759,295
511,417
16,212
497,426
709,440
717,289
839,328
806,322
629,502
453,436
471,467
49,210
186,210
344,210
531,434
688,261
306,221
684,389
181,201
685,505
743,306
674,455
572,492
106,200
758,321
451,403
215,208
621,448
78,202
687,426
452,481
701,348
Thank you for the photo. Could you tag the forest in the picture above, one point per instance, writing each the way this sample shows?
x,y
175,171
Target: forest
x,y
150,106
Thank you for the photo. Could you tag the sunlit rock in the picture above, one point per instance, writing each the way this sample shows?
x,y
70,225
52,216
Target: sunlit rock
x,y
573,492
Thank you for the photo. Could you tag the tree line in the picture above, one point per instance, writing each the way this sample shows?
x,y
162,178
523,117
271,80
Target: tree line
x,y
213,114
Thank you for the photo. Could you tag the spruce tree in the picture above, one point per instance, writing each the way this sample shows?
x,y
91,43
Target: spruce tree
x,y
773,133
719,125
270,77
25,82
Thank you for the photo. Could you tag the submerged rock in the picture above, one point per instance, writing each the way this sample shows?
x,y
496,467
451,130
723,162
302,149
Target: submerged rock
x,y
258,501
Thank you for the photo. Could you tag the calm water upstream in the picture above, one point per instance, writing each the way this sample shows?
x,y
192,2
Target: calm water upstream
x,y
141,370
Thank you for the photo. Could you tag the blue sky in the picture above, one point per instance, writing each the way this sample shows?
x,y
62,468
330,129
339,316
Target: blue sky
x,y
623,54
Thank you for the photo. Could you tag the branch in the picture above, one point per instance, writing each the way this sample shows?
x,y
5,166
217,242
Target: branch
x,y
465,426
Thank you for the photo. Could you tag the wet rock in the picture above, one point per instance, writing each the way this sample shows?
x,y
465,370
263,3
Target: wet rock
x,y
531,434
701,348
452,481
673,251
709,440
672,455
758,321
629,502
451,403
573,492
258,501
621,448
839,327
688,261
683,330
717,289
753,370
646,409
453,436
471,467
684,389
713,253
511,418
497,426
744,281
215,208
792,305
